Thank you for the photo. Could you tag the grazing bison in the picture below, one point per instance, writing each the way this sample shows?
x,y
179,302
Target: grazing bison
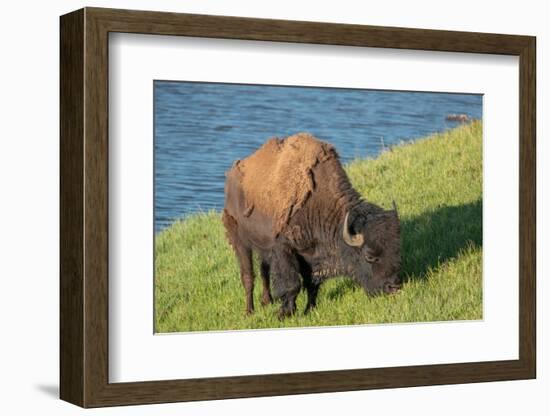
x,y
293,204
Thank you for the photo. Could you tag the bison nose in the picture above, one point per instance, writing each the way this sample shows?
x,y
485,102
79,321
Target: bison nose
x,y
393,285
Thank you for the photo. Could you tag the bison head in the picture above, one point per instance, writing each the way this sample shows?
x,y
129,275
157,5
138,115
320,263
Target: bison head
x,y
373,249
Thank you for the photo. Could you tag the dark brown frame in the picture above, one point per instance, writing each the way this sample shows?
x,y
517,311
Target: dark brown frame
x,y
84,207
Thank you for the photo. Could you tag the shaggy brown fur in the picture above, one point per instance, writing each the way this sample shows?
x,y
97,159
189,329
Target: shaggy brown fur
x,y
277,178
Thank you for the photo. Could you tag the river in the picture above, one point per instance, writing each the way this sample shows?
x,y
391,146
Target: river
x,y
201,128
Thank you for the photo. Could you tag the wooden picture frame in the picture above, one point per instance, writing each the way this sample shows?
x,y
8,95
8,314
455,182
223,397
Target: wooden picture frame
x,y
84,207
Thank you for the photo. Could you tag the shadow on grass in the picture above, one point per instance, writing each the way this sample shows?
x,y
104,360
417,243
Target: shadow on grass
x,y
437,236
344,286
429,240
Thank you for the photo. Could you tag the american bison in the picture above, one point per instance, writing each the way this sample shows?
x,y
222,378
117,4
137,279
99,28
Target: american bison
x,y
293,204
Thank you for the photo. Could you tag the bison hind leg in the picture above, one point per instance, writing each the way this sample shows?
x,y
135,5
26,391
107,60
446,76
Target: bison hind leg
x,y
244,257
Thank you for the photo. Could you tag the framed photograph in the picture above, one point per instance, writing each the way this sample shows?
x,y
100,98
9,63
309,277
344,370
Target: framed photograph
x,y
254,207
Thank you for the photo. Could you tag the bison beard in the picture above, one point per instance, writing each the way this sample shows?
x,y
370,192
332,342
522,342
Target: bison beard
x,y
293,204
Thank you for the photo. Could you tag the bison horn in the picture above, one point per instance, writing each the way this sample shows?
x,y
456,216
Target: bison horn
x,y
355,240
394,205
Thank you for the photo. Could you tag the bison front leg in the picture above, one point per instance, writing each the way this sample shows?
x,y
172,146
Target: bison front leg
x,y
286,280
312,291
311,285
266,294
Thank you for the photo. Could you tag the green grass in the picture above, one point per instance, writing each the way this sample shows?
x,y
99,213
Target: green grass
x,y
437,184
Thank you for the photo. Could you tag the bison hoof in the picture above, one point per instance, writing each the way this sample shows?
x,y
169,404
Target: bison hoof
x,y
249,312
266,300
308,308
285,313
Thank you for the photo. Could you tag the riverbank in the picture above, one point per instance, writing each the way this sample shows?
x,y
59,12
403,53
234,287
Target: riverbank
x,y
437,184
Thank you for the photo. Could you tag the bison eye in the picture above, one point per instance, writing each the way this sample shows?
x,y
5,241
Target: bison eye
x,y
372,259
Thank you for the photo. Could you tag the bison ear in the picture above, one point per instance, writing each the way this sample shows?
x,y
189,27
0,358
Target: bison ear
x,y
357,222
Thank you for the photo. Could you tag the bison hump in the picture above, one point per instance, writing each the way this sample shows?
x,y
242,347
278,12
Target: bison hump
x,y
277,179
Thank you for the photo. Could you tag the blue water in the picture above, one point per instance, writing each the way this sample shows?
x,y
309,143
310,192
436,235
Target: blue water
x,y
201,128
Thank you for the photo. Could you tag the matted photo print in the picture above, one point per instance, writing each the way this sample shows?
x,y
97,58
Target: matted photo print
x,y
289,206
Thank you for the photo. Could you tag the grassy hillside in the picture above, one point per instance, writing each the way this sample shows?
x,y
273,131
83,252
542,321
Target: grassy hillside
x,y
437,184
